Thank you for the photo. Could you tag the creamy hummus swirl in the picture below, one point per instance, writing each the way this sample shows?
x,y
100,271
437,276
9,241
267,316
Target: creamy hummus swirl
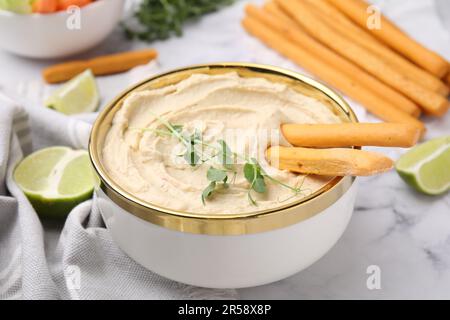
x,y
245,112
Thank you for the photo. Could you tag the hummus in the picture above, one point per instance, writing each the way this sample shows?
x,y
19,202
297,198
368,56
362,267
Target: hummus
x,y
145,159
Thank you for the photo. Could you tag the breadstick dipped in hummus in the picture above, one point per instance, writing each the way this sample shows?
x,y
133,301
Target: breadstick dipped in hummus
x,y
328,162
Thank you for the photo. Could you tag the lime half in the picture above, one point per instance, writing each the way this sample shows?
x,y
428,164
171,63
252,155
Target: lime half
x,y
17,6
56,179
426,167
78,95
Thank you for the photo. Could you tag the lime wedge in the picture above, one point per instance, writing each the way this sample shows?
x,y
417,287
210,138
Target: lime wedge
x,y
426,167
78,95
17,6
56,179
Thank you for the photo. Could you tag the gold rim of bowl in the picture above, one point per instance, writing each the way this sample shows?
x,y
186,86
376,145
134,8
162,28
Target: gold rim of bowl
x,y
222,224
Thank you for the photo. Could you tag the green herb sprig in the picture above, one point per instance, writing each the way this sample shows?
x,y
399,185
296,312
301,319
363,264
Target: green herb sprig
x,y
253,174
252,170
215,176
159,19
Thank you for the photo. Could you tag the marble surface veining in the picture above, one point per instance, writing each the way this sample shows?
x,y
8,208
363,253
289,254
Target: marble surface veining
x,y
404,233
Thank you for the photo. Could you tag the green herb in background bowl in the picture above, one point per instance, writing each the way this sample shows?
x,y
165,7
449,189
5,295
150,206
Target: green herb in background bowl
x,y
160,19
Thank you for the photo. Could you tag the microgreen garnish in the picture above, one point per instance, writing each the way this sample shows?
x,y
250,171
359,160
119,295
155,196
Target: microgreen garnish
x,y
218,178
165,133
215,176
177,127
208,191
226,157
162,132
253,174
191,154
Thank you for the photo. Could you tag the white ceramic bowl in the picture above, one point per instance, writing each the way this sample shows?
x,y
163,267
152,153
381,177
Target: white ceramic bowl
x,y
225,251
48,36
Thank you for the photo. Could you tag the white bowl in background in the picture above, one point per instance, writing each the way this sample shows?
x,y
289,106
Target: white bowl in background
x,y
48,36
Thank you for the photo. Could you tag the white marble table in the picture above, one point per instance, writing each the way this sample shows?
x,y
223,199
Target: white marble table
x,y
405,234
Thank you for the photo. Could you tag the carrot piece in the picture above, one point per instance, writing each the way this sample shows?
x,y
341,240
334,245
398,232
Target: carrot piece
x,y
45,6
64,4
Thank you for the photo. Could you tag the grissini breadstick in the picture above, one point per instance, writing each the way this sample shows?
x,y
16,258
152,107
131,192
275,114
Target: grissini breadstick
x,y
372,102
328,162
447,79
282,24
103,65
394,37
431,102
351,134
345,26
272,8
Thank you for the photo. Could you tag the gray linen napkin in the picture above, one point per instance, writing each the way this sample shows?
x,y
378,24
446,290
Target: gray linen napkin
x,y
86,263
